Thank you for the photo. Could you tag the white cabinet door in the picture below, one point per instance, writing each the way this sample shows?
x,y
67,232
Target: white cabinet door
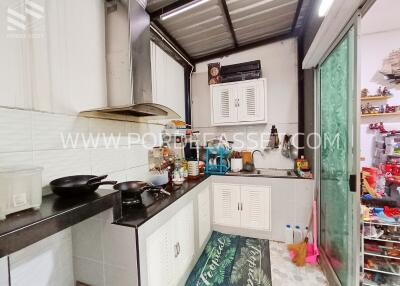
x,y
183,228
251,96
204,215
224,103
226,205
160,256
256,207
4,271
168,80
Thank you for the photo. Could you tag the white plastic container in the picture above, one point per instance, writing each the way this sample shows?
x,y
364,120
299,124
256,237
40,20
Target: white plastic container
x,y
297,235
236,164
288,234
21,188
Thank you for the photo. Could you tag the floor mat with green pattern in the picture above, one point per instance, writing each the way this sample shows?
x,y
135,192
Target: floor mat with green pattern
x,y
231,260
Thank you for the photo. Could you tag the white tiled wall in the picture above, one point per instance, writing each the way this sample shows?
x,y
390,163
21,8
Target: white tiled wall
x,y
47,262
279,67
255,137
44,83
34,138
104,253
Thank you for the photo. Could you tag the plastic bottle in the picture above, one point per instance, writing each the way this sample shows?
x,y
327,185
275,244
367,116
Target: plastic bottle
x,y
305,232
297,235
288,234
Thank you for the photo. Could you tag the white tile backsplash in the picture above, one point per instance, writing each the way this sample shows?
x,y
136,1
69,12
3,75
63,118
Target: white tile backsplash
x,y
16,158
255,137
138,173
50,129
105,161
136,155
60,163
15,130
110,132
34,138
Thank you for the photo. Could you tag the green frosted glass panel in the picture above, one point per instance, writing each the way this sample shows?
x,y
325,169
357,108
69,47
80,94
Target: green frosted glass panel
x,y
336,76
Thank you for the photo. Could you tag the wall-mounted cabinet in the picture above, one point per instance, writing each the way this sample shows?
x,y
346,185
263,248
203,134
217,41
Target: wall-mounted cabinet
x,y
242,206
168,80
239,103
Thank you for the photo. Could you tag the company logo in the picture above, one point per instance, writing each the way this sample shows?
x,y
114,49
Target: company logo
x,y
25,19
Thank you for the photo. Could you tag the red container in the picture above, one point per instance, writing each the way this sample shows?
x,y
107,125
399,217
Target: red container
x,y
370,175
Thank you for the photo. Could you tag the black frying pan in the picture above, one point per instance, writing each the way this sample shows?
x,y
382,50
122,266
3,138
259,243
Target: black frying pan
x,y
78,185
132,187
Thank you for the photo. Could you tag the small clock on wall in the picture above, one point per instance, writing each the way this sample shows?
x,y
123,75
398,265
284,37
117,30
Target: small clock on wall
x,y
214,75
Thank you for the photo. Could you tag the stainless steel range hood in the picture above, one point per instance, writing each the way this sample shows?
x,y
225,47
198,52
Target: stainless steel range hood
x,y
129,85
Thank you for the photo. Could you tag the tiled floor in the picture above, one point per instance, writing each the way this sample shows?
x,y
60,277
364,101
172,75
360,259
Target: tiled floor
x,y
285,273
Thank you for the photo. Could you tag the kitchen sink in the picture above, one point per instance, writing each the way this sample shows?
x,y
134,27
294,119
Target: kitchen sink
x,y
266,172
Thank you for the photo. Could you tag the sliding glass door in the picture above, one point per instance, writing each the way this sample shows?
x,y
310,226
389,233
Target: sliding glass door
x,y
338,157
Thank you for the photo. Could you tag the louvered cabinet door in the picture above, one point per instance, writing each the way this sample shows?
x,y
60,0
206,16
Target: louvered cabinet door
x,y
184,241
226,205
224,108
256,207
160,256
251,101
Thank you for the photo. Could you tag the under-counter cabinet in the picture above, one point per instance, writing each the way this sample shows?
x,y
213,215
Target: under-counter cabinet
x,y
170,249
170,242
239,102
242,206
4,271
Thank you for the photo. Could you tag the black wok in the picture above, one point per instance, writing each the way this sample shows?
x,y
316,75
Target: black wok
x,y
132,187
78,185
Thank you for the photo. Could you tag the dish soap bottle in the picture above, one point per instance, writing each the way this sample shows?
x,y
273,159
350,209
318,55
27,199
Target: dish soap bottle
x,y
273,139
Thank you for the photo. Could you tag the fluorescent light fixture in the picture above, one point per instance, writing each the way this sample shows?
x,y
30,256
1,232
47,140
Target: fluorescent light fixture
x,y
182,9
324,7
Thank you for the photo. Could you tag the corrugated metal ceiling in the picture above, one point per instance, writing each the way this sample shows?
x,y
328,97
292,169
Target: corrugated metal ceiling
x,y
205,29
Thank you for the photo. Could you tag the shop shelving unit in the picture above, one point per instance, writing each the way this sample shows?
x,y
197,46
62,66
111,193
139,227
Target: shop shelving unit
x,y
380,114
375,97
389,265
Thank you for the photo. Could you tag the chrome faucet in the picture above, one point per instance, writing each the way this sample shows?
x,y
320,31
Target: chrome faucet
x,y
252,156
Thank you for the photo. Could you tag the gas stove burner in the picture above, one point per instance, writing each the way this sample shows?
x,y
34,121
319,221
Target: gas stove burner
x,y
132,201
158,191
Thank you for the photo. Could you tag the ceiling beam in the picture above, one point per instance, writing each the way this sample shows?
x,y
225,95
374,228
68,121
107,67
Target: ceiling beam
x,y
168,8
229,21
232,50
296,15
172,41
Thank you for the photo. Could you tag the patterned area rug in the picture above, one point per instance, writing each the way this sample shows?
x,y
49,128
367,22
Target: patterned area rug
x,y
231,260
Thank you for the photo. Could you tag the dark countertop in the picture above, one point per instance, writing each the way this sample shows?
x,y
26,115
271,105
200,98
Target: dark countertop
x,y
55,214
135,217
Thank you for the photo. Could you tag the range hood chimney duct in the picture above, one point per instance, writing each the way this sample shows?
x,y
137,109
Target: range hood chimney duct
x,y
129,85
